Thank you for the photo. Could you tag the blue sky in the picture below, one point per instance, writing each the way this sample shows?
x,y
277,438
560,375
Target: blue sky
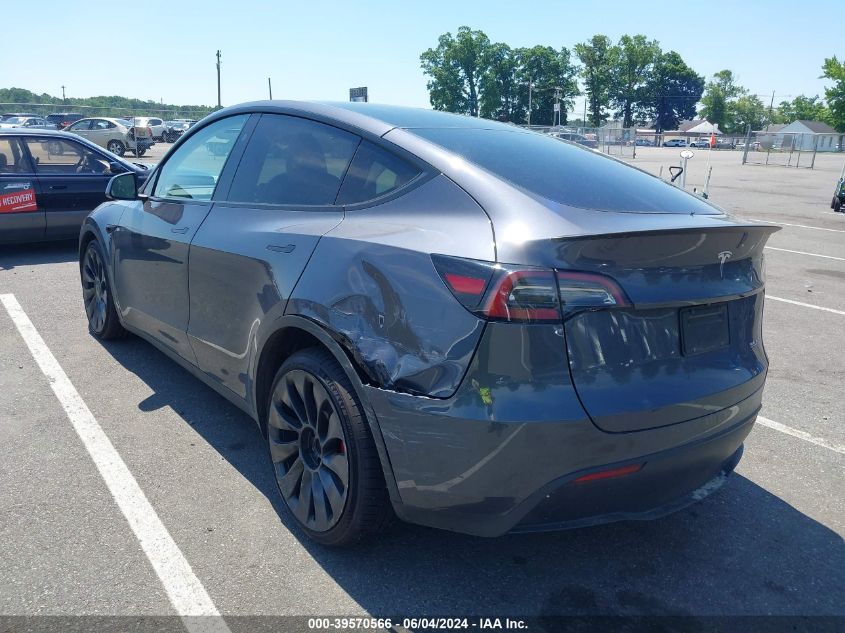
x,y
319,49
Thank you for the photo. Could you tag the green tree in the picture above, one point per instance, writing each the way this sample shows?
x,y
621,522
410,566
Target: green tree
x,y
632,60
802,108
500,85
671,92
597,58
456,68
549,70
834,70
116,106
744,111
717,97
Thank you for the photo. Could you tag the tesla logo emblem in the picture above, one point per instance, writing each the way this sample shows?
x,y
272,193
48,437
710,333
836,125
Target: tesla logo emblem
x,y
723,257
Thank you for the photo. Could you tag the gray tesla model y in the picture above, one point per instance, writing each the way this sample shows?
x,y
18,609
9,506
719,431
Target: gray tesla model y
x,y
456,321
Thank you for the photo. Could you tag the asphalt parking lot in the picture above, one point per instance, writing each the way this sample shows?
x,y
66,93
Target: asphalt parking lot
x,y
770,543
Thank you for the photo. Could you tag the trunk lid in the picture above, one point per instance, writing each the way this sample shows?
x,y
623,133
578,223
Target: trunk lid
x,y
689,343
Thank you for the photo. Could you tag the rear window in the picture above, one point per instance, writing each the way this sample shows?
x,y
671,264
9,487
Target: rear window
x,y
565,173
374,172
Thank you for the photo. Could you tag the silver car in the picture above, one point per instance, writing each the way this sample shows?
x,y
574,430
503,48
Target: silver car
x,y
31,122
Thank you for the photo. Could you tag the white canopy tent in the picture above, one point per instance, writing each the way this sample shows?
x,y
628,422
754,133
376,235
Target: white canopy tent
x,y
705,127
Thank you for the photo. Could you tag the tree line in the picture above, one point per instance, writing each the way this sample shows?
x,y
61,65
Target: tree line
x,y
633,80
103,106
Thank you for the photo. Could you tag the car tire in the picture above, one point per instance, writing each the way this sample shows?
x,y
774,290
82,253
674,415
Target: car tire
x,y
140,152
323,453
103,322
837,205
116,147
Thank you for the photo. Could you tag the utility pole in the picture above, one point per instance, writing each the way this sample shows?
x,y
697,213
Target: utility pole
x,y
219,105
270,87
530,85
63,95
556,111
771,108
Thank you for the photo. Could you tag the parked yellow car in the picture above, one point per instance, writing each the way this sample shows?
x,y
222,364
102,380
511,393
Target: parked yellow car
x,y
116,135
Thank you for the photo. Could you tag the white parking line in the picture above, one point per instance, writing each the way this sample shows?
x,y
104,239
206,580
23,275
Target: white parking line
x,y
803,435
187,594
800,226
786,250
806,305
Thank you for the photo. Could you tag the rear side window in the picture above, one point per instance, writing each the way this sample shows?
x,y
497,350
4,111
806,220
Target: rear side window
x,y
563,172
293,161
12,158
191,173
82,125
374,172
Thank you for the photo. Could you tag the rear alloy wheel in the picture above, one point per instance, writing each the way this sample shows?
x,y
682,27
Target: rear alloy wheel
x,y
324,457
103,321
116,147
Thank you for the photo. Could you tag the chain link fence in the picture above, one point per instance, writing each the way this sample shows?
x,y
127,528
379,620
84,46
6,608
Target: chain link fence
x,y
788,150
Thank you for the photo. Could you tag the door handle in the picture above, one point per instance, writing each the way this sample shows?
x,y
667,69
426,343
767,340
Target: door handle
x,y
181,230
55,187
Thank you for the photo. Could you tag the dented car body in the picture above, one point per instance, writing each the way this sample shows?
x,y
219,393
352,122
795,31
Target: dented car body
x,y
539,336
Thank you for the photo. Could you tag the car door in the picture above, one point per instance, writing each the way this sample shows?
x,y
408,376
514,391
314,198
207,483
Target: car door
x,y
72,180
82,128
22,216
257,238
99,131
152,240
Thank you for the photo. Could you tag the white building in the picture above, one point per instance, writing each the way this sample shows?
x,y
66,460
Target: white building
x,y
804,136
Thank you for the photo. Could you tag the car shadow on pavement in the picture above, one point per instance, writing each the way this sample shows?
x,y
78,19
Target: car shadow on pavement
x,y
13,255
743,551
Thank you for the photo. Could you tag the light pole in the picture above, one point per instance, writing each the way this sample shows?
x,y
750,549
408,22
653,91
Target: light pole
x,y
218,80
63,94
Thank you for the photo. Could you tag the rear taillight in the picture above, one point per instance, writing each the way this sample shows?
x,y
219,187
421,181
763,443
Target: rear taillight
x,y
149,131
526,295
523,295
579,291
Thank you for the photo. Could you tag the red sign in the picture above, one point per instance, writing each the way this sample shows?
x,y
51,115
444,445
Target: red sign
x,y
16,201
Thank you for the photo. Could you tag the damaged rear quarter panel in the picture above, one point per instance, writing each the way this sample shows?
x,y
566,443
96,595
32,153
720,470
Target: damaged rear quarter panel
x,y
372,285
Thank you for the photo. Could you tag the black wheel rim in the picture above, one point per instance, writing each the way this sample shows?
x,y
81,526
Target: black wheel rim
x,y
95,289
308,449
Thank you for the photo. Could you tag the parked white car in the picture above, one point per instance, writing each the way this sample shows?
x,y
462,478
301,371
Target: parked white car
x,y
158,126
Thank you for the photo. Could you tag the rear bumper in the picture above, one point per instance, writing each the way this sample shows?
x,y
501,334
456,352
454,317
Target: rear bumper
x,y
668,482
503,452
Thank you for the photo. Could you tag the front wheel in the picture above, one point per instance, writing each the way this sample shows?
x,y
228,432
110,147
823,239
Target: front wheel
x,y
837,204
324,457
103,321
140,152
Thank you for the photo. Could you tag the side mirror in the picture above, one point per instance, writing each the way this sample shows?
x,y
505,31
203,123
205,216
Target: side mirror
x,y
122,187
116,168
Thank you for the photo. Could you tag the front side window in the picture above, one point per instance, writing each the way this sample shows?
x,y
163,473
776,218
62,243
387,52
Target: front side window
x,y
374,172
193,171
60,156
293,161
